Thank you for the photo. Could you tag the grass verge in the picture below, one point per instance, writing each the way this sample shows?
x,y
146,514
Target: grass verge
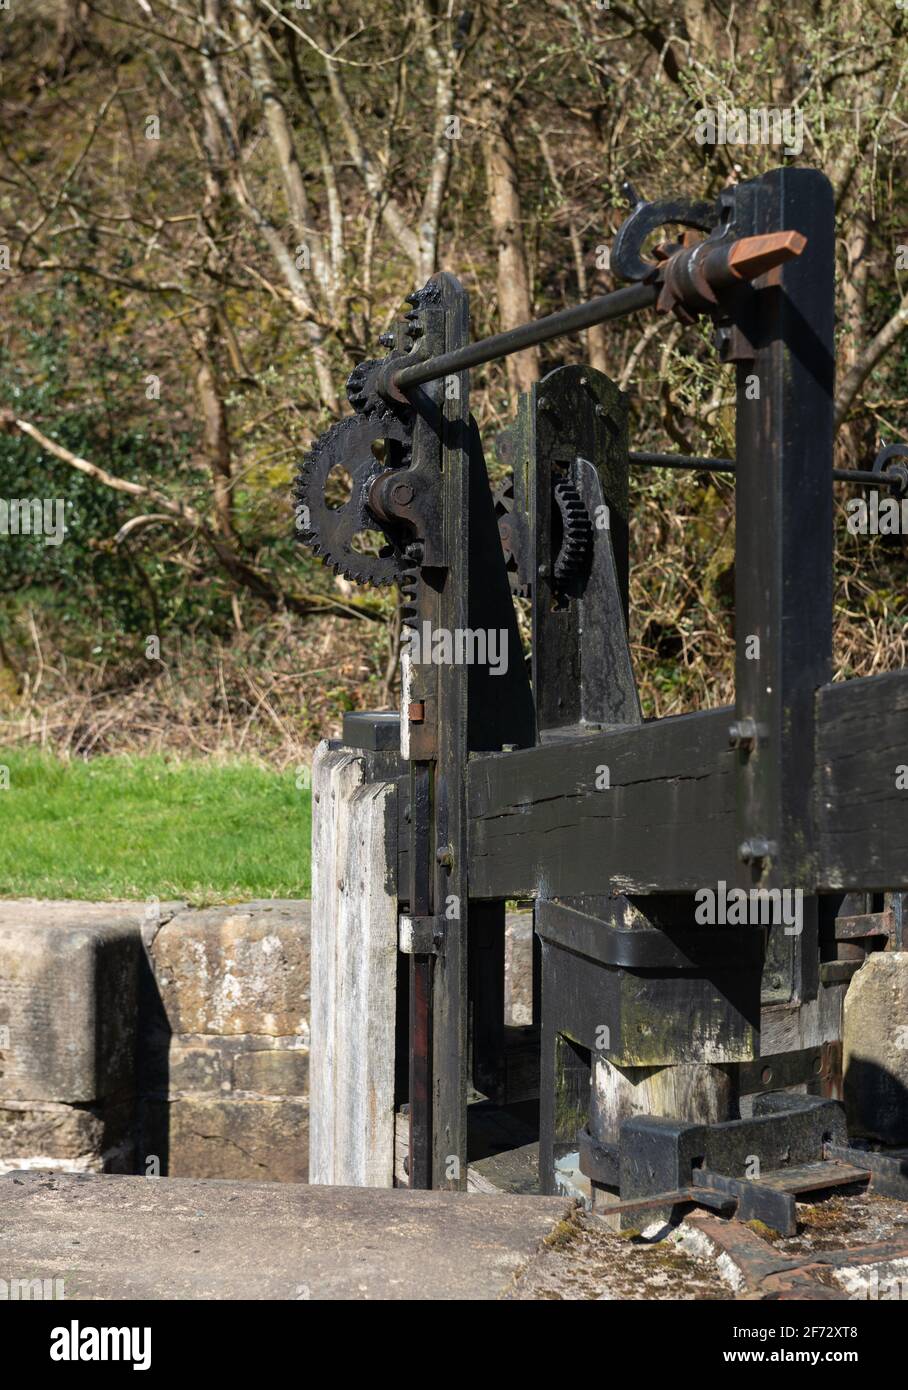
x,y
139,827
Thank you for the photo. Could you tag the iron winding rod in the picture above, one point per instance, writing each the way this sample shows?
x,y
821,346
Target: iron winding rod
x,y
616,305
645,459
691,277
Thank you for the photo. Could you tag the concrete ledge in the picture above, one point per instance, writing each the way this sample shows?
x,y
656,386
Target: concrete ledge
x,y
126,1237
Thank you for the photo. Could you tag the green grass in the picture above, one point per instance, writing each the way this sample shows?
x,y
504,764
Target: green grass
x,y
128,827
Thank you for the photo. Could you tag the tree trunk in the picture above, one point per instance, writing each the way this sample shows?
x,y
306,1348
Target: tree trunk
x,y
514,298
215,429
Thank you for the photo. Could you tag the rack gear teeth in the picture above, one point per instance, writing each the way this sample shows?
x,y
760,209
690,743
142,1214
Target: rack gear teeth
x,y
408,583
514,533
577,532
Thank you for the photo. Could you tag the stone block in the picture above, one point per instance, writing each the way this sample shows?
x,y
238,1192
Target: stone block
x,y
876,1048
227,971
275,1073
195,1068
69,1137
53,1130
233,1138
68,984
518,969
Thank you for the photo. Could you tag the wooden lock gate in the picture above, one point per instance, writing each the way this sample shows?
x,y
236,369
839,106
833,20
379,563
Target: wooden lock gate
x,y
667,1051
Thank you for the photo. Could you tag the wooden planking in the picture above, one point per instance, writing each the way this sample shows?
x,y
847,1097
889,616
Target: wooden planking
x,y
695,1092
538,823
354,973
862,815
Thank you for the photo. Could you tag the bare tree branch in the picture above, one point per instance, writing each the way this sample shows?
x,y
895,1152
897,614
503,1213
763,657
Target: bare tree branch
x,y
874,352
240,570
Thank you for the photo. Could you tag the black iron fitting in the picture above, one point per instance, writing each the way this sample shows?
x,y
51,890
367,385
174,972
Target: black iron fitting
x,y
688,282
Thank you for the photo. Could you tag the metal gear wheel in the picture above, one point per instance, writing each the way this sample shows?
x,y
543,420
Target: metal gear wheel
x,y
363,393
572,521
331,531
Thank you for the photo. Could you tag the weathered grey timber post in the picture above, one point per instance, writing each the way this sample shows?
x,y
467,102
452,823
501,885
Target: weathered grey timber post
x,y
354,963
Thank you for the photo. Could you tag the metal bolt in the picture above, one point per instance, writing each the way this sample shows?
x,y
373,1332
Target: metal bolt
x,y
386,339
402,494
444,856
416,711
750,851
544,571
743,733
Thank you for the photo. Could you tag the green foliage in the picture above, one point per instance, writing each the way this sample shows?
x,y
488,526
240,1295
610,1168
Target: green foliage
x,y
96,591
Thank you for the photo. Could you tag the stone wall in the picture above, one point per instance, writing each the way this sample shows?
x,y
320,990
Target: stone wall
x,y
876,1049
153,1038
224,1082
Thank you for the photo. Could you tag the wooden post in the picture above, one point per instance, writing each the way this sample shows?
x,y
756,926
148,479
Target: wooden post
x,y
784,557
354,970
696,1092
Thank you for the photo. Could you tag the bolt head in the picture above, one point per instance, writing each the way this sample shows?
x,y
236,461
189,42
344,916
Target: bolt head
x,y
756,849
743,733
